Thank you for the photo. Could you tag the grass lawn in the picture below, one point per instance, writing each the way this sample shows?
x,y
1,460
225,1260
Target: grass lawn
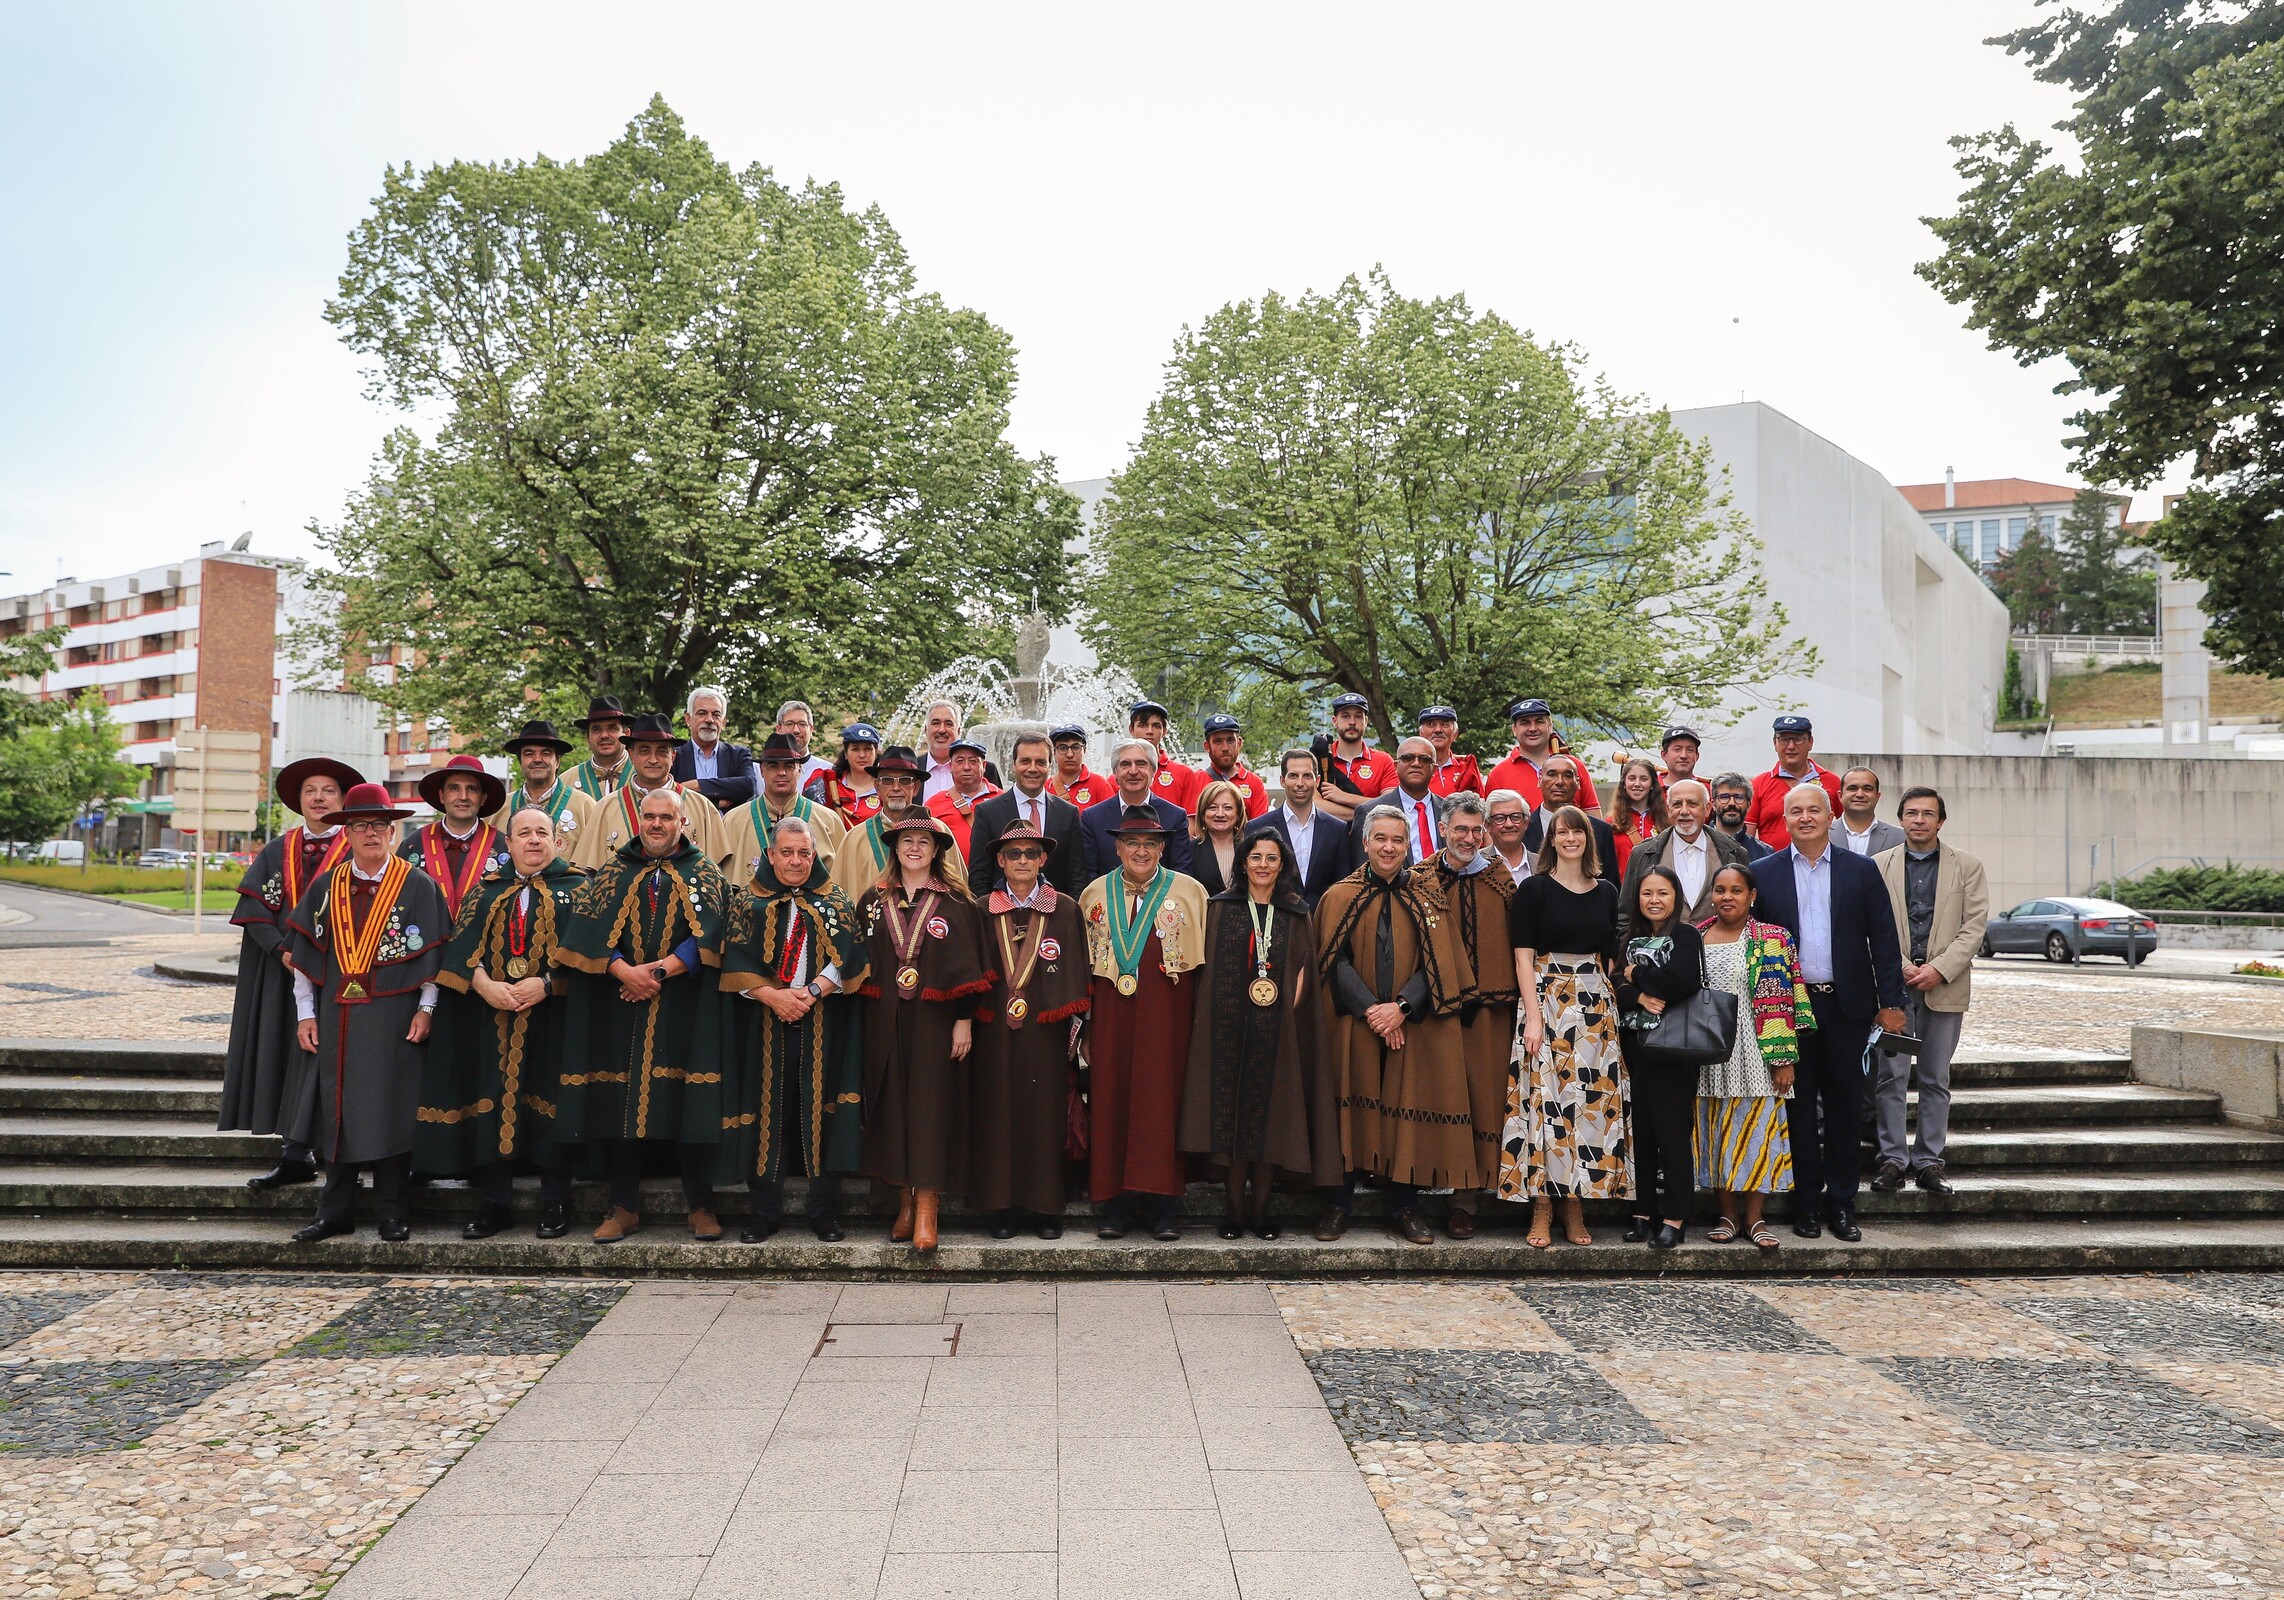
x,y
218,900
2135,693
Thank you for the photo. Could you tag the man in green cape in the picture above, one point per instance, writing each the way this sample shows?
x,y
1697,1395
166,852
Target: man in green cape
x,y
643,1066
794,1066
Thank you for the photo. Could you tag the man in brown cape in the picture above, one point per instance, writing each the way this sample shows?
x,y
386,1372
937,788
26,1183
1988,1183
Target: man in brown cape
x,y
1403,1075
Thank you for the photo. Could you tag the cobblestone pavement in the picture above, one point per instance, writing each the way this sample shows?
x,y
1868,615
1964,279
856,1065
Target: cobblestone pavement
x,y
1900,1437
108,991
2031,1005
245,1434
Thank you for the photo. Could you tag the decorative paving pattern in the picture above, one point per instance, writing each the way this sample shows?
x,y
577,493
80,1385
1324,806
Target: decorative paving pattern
x,y
1475,1397
1667,1316
471,1320
23,1313
2208,1328
2080,1405
73,1406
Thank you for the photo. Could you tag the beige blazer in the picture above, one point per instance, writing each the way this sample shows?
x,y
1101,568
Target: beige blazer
x,y
1962,906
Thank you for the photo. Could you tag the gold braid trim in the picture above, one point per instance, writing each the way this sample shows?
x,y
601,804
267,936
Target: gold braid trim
x,y
513,1026
457,1114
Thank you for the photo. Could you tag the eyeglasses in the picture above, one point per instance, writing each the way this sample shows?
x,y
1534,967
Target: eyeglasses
x,y
1400,760
1510,818
1022,852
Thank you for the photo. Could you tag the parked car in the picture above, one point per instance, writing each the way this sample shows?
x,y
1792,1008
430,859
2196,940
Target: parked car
x,y
72,852
2065,929
163,858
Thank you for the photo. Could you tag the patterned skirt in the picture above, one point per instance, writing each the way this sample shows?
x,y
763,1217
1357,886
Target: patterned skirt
x,y
1566,1109
1744,1144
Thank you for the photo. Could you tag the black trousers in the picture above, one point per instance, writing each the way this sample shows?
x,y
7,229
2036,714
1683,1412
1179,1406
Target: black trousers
x,y
768,1197
339,1195
496,1183
1151,1208
1826,1120
1665,1118
293,1150
695,1160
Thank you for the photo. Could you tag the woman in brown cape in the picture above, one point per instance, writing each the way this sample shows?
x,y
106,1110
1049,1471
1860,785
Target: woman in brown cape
x,y
929,971
1257,1096
1026,1033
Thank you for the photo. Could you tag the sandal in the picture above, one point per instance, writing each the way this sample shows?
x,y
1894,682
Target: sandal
x,y
1577,1233
1764,1235
1542,1226
1722,1232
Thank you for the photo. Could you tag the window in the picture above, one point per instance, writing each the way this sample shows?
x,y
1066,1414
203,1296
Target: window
x,y
1941,530
1990,550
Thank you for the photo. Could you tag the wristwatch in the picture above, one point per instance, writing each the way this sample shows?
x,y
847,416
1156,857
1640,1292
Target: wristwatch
x,y
1405,1006
812,991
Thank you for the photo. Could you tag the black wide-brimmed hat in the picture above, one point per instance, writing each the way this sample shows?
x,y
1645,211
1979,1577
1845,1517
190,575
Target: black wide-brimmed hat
x,y
1141,819
464,766
538,732
603,708
295,773
1023,833
780,747
899,758
651,728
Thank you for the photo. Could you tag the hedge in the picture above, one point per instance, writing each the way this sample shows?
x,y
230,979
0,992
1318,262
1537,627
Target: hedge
x,y
2227,887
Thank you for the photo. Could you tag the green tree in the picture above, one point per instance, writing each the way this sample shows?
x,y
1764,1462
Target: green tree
x,y
28,655
2108,586
1360,491
691,426
52,774
2152,261
2029,579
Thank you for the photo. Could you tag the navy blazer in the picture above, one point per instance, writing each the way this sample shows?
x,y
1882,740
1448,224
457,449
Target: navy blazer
x,y
1331,857
736,779
1103,815
1867,957
1069,866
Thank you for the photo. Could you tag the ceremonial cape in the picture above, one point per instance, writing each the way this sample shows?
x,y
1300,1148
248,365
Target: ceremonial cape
x,y
862,857
573,810
269,1082
584,778
1473,978
486,853
488,1091
915,1094
613,828
367,1071
645,1069
1019,1072
1138,1044
790,1083
746,830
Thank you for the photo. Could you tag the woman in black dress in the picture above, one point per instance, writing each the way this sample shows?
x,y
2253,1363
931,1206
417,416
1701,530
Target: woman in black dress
x,y
1664,964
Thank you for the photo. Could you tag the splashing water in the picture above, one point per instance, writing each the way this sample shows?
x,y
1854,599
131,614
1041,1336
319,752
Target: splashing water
x,y
993,699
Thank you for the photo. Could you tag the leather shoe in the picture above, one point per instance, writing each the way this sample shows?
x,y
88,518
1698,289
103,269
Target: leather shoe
x,y
554,1220
1843,1225
1165,1230
1668,1237
828,1230
1268,1230
1231,1228
1407,1226
1332,1224
1808,1226
1460,1224
618,1225
1638,1231
705,1227
323,1228
283,1174
1051,1227
492,1219
395,1230
1003,1226
1112,1227
1889,1179
757,1230
1932,1180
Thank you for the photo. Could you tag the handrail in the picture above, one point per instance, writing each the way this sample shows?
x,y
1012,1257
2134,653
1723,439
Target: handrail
x,y
2093,644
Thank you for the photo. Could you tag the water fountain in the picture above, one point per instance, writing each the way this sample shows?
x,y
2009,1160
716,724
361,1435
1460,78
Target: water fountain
x,y
1038,695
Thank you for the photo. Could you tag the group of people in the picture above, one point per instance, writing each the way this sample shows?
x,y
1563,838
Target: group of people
x,y
1385,968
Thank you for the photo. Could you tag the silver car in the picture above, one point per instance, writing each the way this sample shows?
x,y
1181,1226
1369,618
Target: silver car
x,y
2066,929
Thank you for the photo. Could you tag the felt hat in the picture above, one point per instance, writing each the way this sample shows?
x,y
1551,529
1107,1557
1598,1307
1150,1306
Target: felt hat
x,y
295,773
1140,819
898,758
432,785
651,728
369,802
537,732
780,747
603,708
1023,833
919,822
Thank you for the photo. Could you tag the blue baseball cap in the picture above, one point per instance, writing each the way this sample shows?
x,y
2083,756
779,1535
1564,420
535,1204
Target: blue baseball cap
x,y
1341,702
1791,724
860,733
1222,722
1067,730
1439,714
1146,708
967,744
1533,707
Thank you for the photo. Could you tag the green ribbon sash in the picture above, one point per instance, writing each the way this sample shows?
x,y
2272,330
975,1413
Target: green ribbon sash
x,y
1128,939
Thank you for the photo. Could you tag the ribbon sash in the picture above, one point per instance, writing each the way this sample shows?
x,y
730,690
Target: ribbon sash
x,y
903,936
437,864
1129,939
335,848
764,825
1018,971
1264,931
354,947
557,802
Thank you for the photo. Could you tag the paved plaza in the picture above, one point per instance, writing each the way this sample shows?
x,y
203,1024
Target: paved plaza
x,y
257,1434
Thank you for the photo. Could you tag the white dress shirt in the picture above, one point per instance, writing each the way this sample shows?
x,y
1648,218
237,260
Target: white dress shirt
x,y
305,992
1031,808
1517,870
1861,843
1302,831
1812,886
1691,860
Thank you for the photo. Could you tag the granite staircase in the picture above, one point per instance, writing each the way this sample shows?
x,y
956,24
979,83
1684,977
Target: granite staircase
x,y
109,1157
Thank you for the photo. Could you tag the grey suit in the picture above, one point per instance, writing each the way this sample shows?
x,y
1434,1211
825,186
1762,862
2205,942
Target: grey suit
x,y
1657,851
1885,836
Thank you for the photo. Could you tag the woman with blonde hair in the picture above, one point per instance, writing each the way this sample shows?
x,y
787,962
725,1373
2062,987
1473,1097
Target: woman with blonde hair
x,y
1636,807
1566,1134
1215,828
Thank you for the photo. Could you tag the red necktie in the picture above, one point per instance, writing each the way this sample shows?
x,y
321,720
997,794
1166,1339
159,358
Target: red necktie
x,y
1426,847
1033,804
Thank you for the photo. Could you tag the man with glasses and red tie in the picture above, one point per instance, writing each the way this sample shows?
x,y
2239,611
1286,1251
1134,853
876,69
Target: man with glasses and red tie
x,y
1414,799
1069,864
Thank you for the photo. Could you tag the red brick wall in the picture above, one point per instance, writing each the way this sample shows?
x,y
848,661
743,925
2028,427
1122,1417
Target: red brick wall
x,y
237,647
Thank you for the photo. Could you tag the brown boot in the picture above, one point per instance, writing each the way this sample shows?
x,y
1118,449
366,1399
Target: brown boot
x,y
901,1229
618,1225
924,1220
705,1227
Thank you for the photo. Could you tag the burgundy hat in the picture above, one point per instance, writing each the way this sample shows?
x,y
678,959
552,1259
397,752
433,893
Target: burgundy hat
x,y
295,773
495,792
1141,819
898,758
1022,833
369,802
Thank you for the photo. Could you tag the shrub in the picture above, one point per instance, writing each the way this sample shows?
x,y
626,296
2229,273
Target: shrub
x,y
2227,887
108,880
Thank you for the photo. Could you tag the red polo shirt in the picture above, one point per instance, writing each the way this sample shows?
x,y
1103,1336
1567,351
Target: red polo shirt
x,y
1765,816
1248,784
1459,775
1521,774
1089,787
1172,783
944,807
1373,772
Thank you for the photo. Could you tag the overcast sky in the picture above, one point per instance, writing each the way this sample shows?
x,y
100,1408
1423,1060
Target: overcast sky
x,y
1711,200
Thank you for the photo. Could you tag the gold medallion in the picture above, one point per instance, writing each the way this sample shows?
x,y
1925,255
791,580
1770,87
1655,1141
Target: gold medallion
x,y
518,969
908,979
352,990
1263,991
1017,1009
1128,983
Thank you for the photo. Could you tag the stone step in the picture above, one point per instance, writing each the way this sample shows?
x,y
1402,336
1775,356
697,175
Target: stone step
x,y
220,1189
2025,1067
85,1138
39,1093
2014,1103
2184,1144
133,1058
1901,1246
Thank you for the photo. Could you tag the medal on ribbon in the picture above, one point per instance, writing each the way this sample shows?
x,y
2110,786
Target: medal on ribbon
x,y
904,936
1029,947
1262,991
519,935
355,947
1130,931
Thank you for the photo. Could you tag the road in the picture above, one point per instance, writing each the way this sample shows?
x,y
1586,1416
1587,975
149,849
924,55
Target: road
x,y
31,916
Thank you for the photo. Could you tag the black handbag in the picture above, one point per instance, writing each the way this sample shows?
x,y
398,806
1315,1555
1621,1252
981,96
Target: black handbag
x,y
1696,1033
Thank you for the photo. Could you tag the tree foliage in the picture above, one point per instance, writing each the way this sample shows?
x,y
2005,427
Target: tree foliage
x,y
1402,498
2029,579
690,426
2151,259
2227,887
2107,585
57,770
32,656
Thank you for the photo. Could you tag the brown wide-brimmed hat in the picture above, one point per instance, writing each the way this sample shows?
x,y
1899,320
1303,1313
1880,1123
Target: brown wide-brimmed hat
x,y
899,758
538,732
1140,820
1023,833
295,773
919,822
464,766
369,802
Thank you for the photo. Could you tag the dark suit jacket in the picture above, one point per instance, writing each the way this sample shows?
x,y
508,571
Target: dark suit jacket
x,y
1397,801
1605,843
1069,867
1867,957
1103,815
1754,848
736,778
1727,848
1332,854
1205,866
